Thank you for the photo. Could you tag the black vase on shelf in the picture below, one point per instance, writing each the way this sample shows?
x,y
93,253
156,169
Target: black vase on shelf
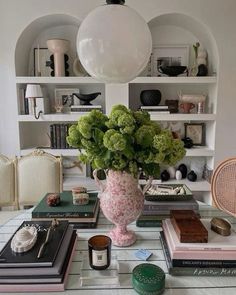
x,y
86,98
150,97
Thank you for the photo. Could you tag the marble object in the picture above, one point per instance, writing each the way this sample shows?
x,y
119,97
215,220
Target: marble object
x,y
24,239
171,171
80,198
178,175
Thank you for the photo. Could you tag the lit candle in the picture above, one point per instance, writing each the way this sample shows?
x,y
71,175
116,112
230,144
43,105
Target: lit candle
x,y
38,71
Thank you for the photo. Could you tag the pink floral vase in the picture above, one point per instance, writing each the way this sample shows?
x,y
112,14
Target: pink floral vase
x,y
121,201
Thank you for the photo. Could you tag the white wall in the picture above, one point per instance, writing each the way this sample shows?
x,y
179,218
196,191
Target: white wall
x,y
217,15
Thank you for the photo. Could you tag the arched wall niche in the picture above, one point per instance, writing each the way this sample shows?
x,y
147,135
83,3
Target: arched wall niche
x,y
180,29
37,33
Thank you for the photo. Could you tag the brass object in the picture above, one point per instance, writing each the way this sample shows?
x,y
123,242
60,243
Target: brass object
x,y
221,226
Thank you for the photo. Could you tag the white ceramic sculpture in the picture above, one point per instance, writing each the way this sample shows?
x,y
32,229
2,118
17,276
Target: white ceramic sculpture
x,y
24,239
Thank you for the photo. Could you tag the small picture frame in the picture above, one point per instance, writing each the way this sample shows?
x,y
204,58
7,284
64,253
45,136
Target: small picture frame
x,y
42,62
195,131
169,55
65,99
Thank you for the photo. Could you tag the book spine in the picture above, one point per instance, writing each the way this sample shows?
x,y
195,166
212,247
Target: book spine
x,y
51,137
148,223
26,105
58,136
202,272
157,212
63,136
62,214
83,109
169,207
54,136
204,263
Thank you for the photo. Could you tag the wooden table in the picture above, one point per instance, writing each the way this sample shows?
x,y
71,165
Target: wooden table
x,y
148,238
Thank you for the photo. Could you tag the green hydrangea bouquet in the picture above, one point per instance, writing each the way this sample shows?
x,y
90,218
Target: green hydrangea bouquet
x,y
124,141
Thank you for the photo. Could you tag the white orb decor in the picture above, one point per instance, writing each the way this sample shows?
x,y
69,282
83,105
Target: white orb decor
x,y
114,43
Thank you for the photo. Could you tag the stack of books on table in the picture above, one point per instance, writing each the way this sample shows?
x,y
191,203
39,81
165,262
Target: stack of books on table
x,y
161,109
84,216
217,257
25,272
155,211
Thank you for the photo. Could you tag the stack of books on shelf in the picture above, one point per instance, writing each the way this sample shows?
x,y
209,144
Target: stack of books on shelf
x,y
216,257
157,208
84,108
25,272
84,216
155,110
58,134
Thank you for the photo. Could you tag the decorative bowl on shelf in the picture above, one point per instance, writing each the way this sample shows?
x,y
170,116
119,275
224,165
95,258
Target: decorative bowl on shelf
x,y
172,71
150,97
85,99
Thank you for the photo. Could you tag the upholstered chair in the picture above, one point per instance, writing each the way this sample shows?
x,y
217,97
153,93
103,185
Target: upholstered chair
x,y
37,173
7,182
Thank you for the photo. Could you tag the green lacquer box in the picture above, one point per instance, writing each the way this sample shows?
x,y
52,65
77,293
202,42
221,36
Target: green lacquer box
x,y
148,279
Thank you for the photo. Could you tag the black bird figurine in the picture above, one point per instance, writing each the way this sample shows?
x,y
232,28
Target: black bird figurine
x,y
86,98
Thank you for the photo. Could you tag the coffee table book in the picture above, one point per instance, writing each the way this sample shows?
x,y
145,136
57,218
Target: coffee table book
x,y
200,263
194,271
66,208
55,269
29,259
45,287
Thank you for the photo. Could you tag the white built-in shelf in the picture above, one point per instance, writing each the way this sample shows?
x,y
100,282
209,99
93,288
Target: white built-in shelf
x,y
56,80
176,80
197,186
200,152
182,117
72,117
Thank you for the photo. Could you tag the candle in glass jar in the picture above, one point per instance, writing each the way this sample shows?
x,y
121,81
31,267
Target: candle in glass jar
x,y
99,252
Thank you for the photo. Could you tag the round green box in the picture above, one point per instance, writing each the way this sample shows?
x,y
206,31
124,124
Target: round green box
x,y
148,279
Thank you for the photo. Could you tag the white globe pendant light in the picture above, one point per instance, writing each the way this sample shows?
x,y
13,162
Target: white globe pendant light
x,y
114,43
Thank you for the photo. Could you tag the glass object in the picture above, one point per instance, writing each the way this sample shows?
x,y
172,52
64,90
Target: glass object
x,y
108,277
115,50
99,252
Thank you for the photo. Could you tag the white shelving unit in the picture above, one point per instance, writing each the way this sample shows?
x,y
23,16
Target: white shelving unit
x,y
34,133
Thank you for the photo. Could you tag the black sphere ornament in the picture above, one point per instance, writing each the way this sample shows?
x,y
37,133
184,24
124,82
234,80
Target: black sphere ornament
x,y
188,143
192,176
183,169
165,175
151,97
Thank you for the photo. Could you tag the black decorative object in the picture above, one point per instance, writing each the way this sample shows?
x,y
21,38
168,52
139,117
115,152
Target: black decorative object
x,y
202,70
150,97
165,175
183,169
121,2
192,176
172,71
86,98
51,64
188,143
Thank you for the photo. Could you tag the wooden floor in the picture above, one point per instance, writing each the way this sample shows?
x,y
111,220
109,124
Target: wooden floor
x,y
147,238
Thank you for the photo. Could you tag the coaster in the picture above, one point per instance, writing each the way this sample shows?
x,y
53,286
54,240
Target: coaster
x,y
108,277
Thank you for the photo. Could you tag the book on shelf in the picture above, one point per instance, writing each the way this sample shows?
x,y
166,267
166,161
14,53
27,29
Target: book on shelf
x,y
84,108
43,284
66,209
9,259
215,241
159,107
197,262
55,269
193,271
58,134
150,220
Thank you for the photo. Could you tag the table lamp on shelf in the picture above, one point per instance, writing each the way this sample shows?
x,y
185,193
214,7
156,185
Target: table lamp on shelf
x,y
34,91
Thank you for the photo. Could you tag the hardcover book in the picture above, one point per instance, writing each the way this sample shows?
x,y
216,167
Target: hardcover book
x,y
47,286
66,209
55,269
163,206
197,262
194,271
215,241
8,258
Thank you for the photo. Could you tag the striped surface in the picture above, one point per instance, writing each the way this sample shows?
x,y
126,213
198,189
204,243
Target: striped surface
x,y
147,238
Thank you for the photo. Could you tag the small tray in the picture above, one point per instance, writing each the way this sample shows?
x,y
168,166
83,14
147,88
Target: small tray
x,y
99,278
187,196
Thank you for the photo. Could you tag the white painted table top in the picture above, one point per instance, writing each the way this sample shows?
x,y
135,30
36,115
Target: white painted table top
x,y
148,238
